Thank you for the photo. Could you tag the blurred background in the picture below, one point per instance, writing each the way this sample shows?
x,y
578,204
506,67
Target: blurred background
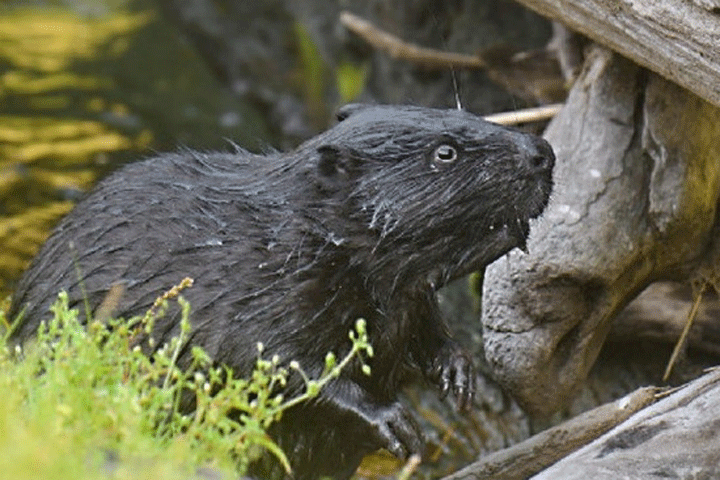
x,y
86,85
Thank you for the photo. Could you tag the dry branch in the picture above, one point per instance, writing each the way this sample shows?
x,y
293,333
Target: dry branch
x,y
526,115
398,48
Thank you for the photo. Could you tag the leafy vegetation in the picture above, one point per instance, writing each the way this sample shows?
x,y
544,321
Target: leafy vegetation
x,y
86,402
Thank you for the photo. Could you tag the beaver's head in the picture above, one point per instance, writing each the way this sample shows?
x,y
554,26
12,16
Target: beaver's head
x,y
430,194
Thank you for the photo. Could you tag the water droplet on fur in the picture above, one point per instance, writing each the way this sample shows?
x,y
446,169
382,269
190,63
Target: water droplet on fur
x,y
335,240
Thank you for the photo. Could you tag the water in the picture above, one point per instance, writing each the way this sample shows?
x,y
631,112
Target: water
x,y
85,87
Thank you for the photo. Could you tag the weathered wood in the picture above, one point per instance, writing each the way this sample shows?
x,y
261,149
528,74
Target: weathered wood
x,y
638,180
677,437
677,39
660,312
547,447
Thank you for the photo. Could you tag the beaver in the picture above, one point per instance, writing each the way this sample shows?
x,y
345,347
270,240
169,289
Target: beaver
x,y
366,220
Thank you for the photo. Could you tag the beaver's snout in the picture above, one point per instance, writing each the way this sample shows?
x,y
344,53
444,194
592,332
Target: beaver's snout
x,y
541,156
535,154
535,161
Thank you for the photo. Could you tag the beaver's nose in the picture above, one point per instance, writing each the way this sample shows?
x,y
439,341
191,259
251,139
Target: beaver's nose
x,y
536,154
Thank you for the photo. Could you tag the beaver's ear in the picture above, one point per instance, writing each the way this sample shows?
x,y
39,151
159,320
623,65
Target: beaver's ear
x,y
336,165
350,109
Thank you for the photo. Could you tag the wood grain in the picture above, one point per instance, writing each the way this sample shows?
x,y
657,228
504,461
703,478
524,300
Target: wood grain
x,y
677,39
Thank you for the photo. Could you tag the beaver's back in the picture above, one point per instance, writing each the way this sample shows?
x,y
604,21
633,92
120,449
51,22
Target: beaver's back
x,y
149,225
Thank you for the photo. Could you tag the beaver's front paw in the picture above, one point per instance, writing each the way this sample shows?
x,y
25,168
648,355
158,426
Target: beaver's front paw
x,y
453,368
396,430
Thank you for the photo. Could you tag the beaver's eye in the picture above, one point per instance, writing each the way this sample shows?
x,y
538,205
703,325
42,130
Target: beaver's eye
x,y
445,154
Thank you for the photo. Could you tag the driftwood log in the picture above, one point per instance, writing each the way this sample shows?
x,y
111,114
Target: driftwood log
x,y
638,177
676,437
677,39
534,454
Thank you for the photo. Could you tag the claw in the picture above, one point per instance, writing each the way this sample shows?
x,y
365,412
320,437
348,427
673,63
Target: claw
x,y
397,431
460,396
396,448
444,389
453,369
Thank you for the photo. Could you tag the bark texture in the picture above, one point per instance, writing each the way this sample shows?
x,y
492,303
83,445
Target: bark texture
x,y
677,39
637,181
678,437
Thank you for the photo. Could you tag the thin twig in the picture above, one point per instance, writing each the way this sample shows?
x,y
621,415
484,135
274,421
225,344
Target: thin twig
x,y
409,467
683,336
398,48
527,115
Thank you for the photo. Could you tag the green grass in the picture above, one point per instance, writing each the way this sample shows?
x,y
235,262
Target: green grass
x,y
85,402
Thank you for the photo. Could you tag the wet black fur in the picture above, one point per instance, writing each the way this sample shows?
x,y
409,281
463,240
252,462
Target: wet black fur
x,y
291,248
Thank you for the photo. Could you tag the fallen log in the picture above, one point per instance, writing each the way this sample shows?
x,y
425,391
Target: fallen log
x,y
677,437
545,448
678,39
638,182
